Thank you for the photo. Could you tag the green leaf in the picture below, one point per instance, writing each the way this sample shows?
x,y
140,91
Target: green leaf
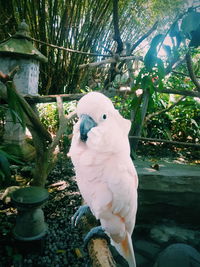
x,y
167,49
174,31
4,166
160,85
2,175
138,79
156,40
138,118
161,69
17,113
150,59
190,23
9,156
145,83
151,107
135,103
195,38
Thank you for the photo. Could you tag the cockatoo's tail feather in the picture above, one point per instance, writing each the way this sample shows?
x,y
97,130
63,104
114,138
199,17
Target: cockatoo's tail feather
x,y
125,248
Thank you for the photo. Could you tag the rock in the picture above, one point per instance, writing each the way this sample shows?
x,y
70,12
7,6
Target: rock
x,y
178,255
142,261
146,248
169,193
164,234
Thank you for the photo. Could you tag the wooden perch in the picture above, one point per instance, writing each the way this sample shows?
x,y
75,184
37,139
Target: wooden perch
x,y
98,248
100,254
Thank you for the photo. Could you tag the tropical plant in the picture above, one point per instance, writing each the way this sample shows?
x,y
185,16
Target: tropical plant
x,y
82,26
5,160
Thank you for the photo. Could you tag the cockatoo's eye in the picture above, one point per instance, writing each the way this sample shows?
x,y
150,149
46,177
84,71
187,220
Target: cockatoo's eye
x,y
104,116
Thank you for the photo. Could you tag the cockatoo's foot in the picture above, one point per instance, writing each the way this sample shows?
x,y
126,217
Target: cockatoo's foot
x,y
96,232
82,210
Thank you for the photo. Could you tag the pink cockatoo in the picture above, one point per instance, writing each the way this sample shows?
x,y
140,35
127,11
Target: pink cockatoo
x,y
105,174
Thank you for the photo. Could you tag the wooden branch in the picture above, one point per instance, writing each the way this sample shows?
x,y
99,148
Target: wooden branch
x,y
150,116
183,74
32,119
60,109
136,127
30,113
179,92
100,254
98,248
8,77
70,97
3,77
97,64
156,140
68,49
62,127
109,61
113,71
51,98
191,71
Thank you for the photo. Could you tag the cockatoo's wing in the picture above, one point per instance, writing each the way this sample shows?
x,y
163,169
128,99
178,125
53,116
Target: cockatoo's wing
x,y
122,182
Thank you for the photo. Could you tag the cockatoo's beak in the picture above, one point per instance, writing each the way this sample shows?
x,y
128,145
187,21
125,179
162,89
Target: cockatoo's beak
x,y
87,123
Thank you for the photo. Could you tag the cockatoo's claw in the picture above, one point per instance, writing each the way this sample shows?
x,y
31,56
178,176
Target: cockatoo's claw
x,y
82,210
96,232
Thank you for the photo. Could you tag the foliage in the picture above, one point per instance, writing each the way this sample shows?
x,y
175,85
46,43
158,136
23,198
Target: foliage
x,y
80,25
74,24
15,109
48,114
179,124
185,121
5,160
87,26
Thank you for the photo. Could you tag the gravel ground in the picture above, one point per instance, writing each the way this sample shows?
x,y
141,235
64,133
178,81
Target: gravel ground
x,y
62,246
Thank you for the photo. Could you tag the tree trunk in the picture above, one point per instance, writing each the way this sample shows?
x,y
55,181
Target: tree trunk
x,y
138,124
